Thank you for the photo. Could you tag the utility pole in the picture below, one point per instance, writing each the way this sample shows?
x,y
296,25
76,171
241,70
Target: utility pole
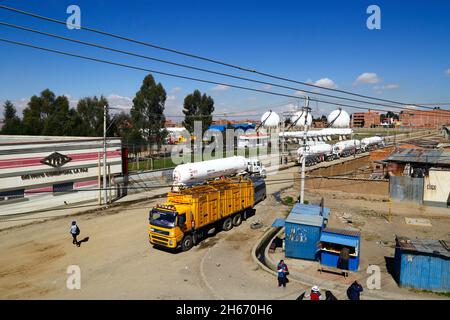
x,y
306,110
105,193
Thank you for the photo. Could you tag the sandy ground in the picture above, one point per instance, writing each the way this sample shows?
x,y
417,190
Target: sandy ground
x,y
117,262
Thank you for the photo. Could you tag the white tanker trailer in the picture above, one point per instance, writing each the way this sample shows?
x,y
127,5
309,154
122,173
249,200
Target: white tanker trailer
x,y
316,153
198,172
347,147
371,142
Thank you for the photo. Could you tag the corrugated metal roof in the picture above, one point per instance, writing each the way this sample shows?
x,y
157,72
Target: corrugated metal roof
x,y
309,220
310,209
347,232
429,246
436,157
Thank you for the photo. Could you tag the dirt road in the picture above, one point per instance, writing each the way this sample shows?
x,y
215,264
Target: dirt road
x,y
117,262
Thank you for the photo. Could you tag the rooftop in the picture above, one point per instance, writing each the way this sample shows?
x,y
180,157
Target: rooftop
x,y
435,247
434,157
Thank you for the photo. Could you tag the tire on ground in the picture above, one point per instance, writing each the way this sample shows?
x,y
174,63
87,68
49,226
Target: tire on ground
x,y
227,224
187,243
237,219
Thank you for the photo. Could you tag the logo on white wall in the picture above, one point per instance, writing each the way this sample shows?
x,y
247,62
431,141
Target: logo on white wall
x,y
56,160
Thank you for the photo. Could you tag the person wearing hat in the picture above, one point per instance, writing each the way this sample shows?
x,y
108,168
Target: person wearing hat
x,y
75,231
315,293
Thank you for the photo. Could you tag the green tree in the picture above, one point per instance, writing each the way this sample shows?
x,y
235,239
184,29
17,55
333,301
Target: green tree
x,y
37,111
90,112
12,123
197,107
147,112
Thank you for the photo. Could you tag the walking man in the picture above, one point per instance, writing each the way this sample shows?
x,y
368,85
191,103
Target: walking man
x,y
75,231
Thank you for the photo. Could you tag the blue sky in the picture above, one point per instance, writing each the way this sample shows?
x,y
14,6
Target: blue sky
x,y
322,42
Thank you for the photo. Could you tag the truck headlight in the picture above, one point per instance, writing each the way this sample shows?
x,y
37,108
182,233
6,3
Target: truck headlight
x,y
152,230
171,242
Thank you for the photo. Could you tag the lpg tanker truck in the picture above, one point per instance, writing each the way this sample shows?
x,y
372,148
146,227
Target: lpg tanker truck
x,y
347,148
200,203
316,153
371,143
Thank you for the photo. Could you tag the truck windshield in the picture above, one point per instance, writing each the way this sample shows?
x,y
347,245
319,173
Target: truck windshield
x,y
163,218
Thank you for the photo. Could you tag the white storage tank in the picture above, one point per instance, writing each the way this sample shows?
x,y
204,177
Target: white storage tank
x,y
197,172
270,119
298,119
339,119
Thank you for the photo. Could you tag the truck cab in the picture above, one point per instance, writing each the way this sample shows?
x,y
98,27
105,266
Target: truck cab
x,y
167,226
254,166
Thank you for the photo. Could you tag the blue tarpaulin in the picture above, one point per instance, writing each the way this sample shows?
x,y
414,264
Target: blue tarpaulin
x,y
279,222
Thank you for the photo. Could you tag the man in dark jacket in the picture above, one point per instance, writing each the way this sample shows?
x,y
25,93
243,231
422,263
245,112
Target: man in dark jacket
x,y
75,231
354,291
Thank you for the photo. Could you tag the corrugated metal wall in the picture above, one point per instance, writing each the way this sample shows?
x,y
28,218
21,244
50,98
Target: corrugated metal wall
x,y
424,272
302,241
402,188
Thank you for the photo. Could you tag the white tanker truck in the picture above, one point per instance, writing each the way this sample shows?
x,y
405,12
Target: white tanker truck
x,y
198,172
371,143
347,148
316,153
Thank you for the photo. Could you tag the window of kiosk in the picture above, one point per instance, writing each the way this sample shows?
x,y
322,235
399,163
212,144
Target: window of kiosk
x,y
336,248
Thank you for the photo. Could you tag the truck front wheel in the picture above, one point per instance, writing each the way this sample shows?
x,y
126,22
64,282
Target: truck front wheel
x,y
187,243
227,224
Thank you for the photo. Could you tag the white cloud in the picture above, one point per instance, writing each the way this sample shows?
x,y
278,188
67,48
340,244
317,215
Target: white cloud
x,y
172,107
120,102
326,83
299,93
447,72
267,87
220,87
176,90
367,77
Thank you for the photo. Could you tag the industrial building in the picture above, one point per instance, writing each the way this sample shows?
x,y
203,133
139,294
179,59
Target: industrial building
x,y
368,119
425,119
422,264
40,172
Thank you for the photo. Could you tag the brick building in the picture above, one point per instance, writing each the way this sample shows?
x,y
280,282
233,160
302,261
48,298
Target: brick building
x,y
425,119
365,119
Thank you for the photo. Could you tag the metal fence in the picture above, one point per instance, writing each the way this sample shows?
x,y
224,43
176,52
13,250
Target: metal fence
x,y
403,188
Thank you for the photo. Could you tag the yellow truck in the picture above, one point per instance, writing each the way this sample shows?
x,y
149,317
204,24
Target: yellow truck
x,y
190,213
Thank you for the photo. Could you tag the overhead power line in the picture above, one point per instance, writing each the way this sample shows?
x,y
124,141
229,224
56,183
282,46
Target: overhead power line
x,y
195,56
96,45
191,78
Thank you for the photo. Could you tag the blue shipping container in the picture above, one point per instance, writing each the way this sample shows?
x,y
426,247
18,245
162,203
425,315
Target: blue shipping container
x,y
422,264
302,235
